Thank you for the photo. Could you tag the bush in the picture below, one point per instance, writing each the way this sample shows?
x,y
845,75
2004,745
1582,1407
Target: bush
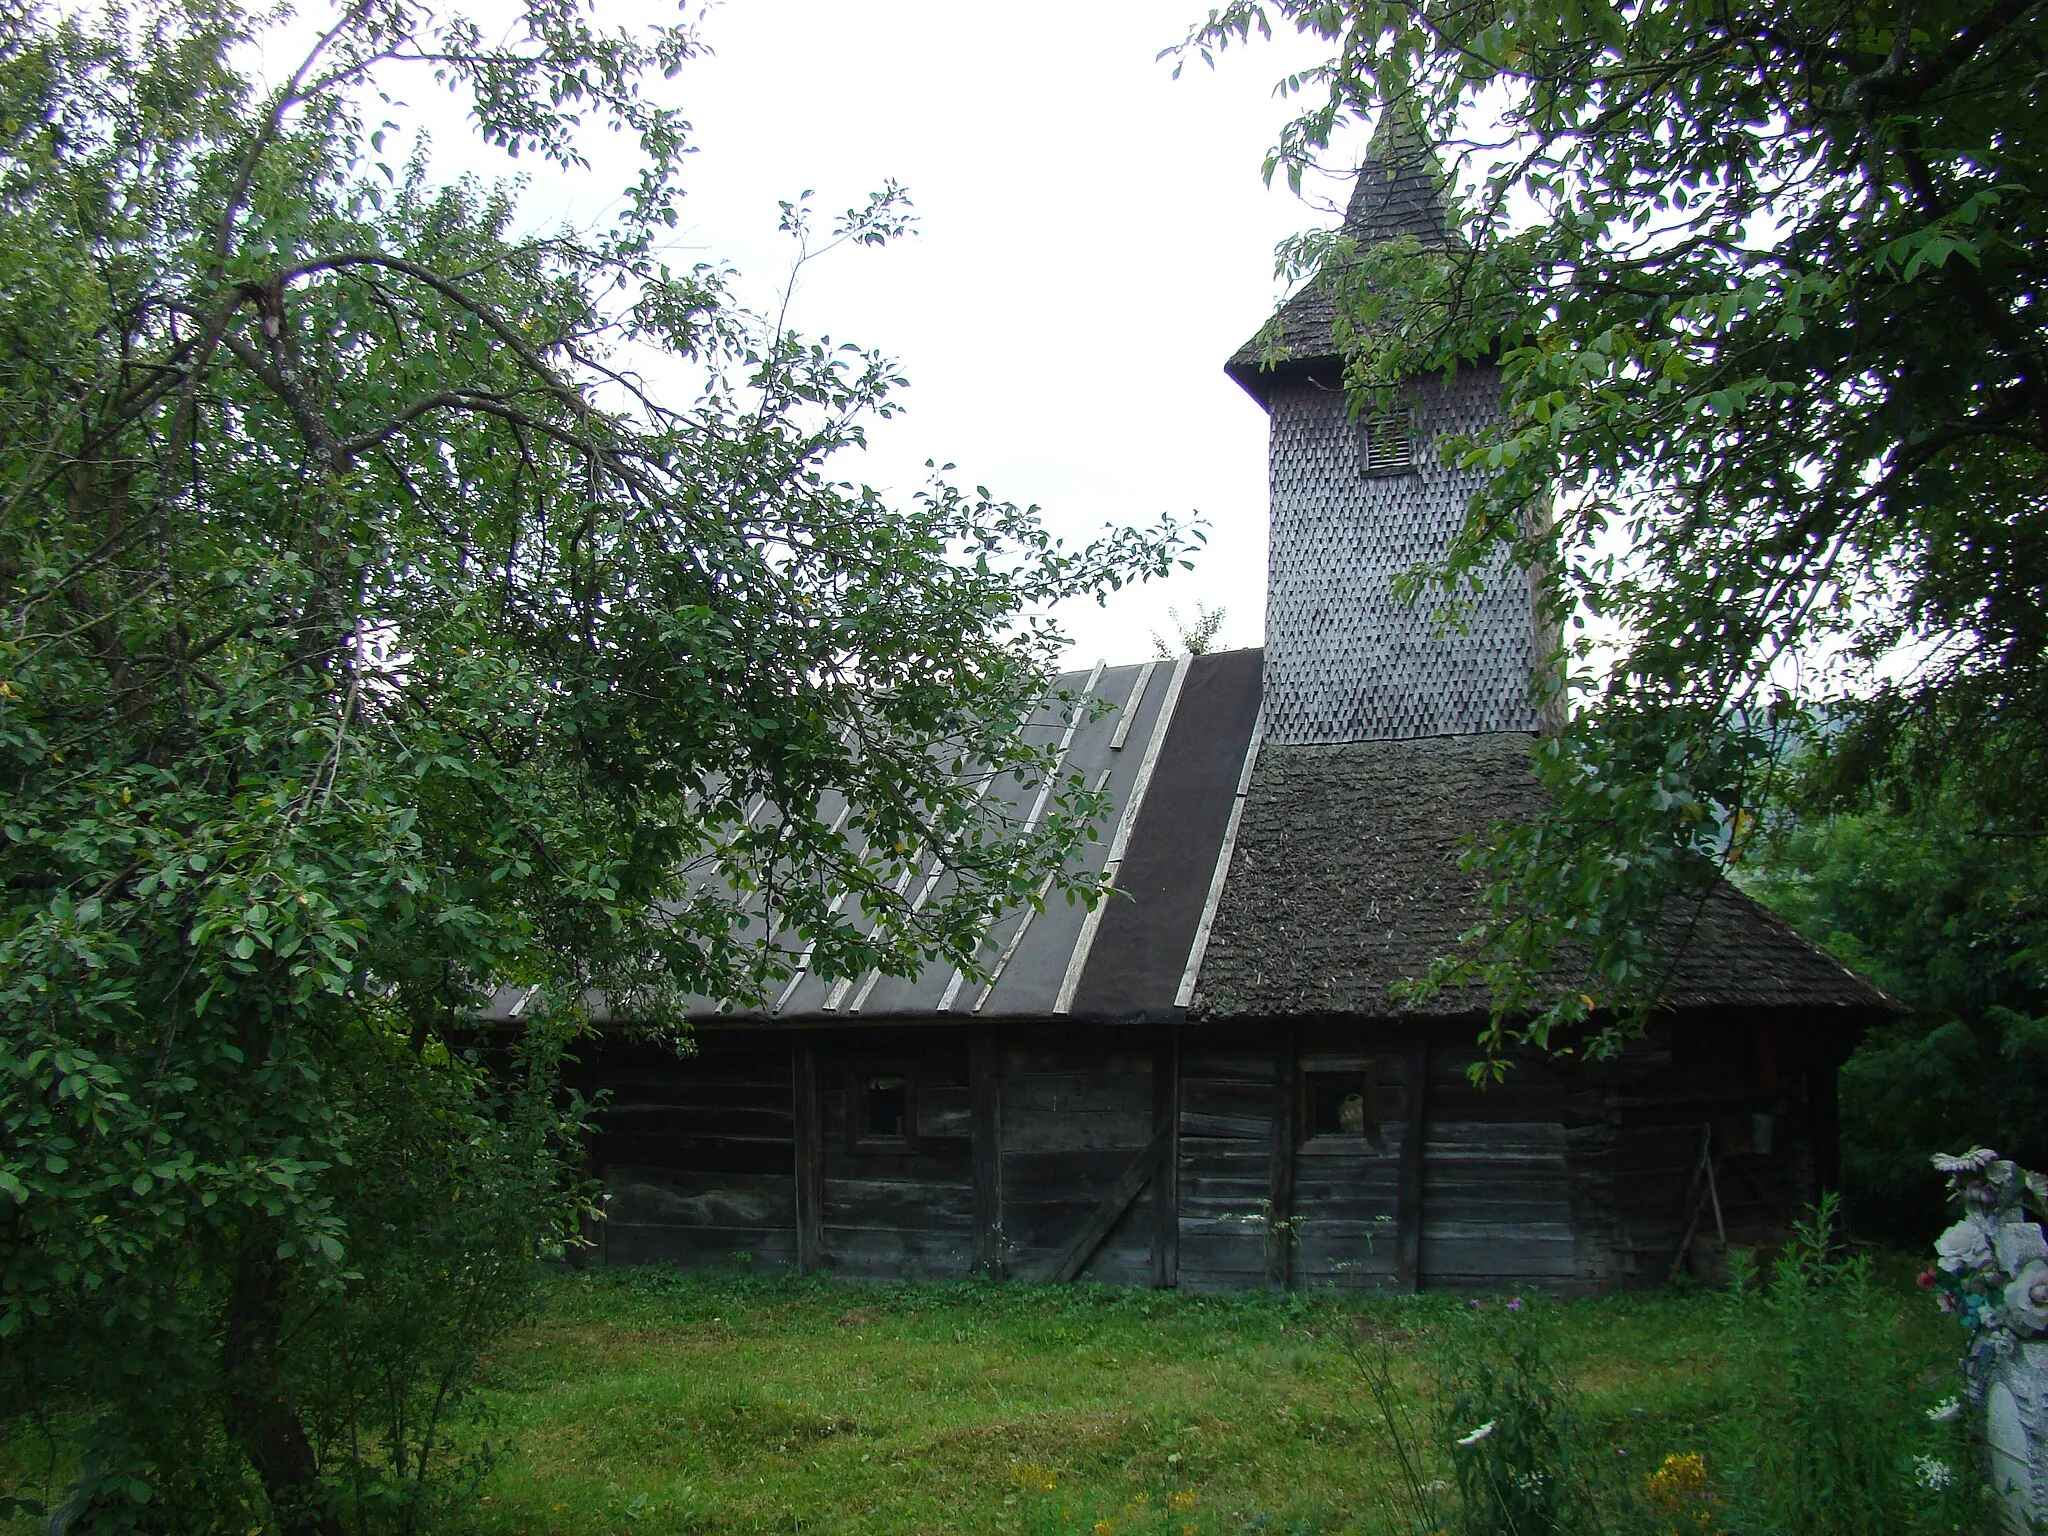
x,y
1840,1437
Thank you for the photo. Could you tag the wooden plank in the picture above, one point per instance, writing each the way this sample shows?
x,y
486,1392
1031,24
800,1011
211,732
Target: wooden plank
x,y
1166,1186
810,1160
984,1075
914,1205
697,1154
677,1198
640,1243
1408,1200
763,1122
1141,1170
1280,1180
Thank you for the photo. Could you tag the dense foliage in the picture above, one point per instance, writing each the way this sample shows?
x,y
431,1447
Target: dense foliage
x,y
1923,885
1764,281
1829,1427
395,605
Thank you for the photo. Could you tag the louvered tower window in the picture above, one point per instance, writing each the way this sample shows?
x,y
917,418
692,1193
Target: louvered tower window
x,y
1385,444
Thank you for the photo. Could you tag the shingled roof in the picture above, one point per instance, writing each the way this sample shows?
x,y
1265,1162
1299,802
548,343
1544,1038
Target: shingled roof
x,y
1399,192
1346,881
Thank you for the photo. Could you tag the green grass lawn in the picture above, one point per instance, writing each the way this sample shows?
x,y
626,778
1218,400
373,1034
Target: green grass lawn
x,y
647,1401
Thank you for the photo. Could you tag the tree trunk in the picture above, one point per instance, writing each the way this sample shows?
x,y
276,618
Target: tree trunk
x,y
259,1410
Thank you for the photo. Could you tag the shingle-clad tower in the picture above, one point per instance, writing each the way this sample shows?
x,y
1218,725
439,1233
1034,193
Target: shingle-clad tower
x,y
1355,502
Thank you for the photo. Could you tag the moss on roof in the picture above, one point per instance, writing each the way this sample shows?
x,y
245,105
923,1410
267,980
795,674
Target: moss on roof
x,y
1346,881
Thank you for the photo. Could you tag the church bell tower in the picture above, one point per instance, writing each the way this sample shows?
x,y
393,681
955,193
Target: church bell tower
x,y
1357,501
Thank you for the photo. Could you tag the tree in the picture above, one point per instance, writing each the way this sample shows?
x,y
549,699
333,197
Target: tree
x,y
1192,637
1763,281
395,605
1947,909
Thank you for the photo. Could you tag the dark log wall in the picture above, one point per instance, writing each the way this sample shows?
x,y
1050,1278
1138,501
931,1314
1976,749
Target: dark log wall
x,y
1076,1114
1226,1133
1142,1157
1756,1092
696,1152
1262,1205
898,1214
1496,1176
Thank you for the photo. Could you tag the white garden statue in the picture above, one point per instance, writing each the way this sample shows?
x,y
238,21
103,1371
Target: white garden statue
x,y
1991,1272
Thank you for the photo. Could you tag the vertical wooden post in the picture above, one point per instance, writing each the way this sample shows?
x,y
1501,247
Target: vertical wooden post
x,y
1166,1180
1414,1128
1280,1185
1825,1112
985,1094
810,1160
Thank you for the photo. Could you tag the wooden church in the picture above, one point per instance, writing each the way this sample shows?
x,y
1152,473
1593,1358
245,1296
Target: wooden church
x,y
1205,1082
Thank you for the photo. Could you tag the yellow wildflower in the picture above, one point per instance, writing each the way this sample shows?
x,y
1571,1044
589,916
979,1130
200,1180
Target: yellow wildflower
x,y
1105,1528
1180,1501
1036,1479
1678,1491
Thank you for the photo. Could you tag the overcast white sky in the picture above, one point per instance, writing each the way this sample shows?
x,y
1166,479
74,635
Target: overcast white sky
x,y
1094,239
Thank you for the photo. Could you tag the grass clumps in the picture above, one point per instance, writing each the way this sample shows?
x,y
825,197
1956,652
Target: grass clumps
x,y
650,1401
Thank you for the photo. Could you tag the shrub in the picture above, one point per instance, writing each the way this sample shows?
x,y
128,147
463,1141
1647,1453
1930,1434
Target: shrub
x,y
1840,1437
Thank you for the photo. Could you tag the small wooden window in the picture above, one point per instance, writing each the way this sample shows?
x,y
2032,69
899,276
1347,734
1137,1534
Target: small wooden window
x,y
1339,1107
1386,446
881,1109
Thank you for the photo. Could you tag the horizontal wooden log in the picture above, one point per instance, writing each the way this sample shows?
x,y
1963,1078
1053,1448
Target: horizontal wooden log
x,y
1245,1127
947,1160
633,1243
693,1154
923,1205
1028,1130
667,1197
632,1119
878,1253
1507,1258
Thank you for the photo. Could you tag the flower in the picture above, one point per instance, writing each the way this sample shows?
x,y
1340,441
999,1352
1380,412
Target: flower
x,y
1932,1473
1925,1279
1181,1501
1477,1435
1105,1528
1678,1490
1945,1410
1514,1303
1963,1246
2026,1299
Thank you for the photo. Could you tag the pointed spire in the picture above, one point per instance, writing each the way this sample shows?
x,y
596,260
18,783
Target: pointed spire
x,y
1400,186
1399,191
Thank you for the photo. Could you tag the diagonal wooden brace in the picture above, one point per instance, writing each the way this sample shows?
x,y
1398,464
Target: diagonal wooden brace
x,y
1126,1190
